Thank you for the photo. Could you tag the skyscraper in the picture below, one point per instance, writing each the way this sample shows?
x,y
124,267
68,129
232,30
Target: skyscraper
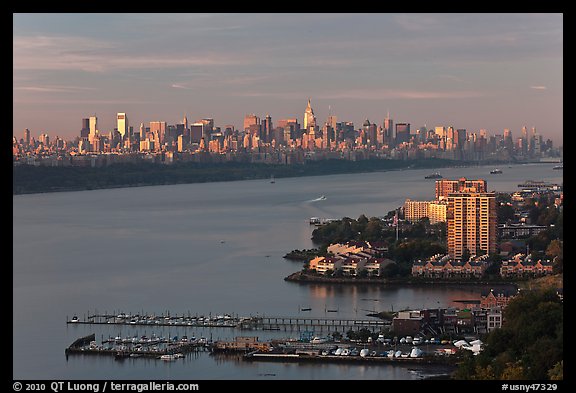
x,y
93,125
122,124
309,118
471,224
85,131
27,137
388,130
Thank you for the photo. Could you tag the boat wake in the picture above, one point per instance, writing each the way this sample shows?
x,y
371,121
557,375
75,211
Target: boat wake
x,y
320,198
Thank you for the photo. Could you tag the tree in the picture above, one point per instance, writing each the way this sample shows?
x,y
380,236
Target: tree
x,y
557,372
513,372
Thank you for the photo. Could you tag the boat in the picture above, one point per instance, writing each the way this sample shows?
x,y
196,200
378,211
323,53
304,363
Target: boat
x,y
416,352
495,171
318,340
272,179
364,352
168,357
74,319
561,166
322,198
434,175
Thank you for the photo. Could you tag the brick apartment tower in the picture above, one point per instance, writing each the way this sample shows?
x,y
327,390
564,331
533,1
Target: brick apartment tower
x,y
472,223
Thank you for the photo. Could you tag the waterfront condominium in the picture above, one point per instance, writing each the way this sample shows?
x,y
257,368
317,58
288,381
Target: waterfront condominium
x,y
472,223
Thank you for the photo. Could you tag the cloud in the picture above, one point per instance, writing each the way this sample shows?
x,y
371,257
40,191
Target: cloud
x,y
59,53
54,89
177,86
538,87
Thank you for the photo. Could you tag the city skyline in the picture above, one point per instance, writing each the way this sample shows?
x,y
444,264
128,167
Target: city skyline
x,y
486,71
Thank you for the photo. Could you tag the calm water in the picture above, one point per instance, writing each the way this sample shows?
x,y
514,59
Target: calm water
x,y
204,248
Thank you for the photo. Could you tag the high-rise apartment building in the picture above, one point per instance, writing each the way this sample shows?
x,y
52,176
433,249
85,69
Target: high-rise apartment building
x,y
415,210
471,224
437,211
445,187
122,124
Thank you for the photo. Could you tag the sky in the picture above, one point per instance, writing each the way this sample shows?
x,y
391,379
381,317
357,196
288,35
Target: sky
x,y
472,71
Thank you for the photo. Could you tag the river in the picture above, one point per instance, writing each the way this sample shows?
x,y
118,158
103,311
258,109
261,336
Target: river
x,y
203,248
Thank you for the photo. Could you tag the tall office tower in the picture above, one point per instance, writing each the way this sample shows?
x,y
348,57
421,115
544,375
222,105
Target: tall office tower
x,y
471,224
250,120
122,124
267,129
508,141
446,187
185,122
388,130
142,132
309,118
93,126
27,137
525,133
207,130
440,131
402,133
196,132
460,137
85,131
158,128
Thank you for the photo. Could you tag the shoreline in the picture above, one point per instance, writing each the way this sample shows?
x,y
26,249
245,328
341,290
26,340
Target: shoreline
x,y
303,278
203,173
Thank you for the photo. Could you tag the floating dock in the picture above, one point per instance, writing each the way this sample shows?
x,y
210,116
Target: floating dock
x,y
123,348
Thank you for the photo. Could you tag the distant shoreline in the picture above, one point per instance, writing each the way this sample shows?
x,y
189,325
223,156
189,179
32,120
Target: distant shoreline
x,y
27,179
301,277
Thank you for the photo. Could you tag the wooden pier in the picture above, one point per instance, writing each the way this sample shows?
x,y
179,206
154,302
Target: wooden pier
x,y
313,324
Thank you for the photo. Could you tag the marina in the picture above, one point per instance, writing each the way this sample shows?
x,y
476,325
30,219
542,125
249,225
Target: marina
x,y
284,323
153,347
153,258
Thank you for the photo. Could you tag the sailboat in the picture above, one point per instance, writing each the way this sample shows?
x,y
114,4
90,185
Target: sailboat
x,y
272,179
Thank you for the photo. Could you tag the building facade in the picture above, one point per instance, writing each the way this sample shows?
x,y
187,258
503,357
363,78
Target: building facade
x,y
445,187
472,224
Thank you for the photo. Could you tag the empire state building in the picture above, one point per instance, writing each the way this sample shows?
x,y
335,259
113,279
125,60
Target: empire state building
x,y
309,118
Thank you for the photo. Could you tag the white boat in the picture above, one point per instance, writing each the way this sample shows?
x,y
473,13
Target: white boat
x,y
364,352
168,357
74,319
338,352
461,343
416,352
405,355
398,354
345,352
318,340
496,171
390,353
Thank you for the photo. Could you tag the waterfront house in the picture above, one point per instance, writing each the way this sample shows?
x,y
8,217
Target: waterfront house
x,y
496,297
520,265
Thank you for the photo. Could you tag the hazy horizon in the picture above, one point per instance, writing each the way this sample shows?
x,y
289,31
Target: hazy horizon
x,y
472,71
